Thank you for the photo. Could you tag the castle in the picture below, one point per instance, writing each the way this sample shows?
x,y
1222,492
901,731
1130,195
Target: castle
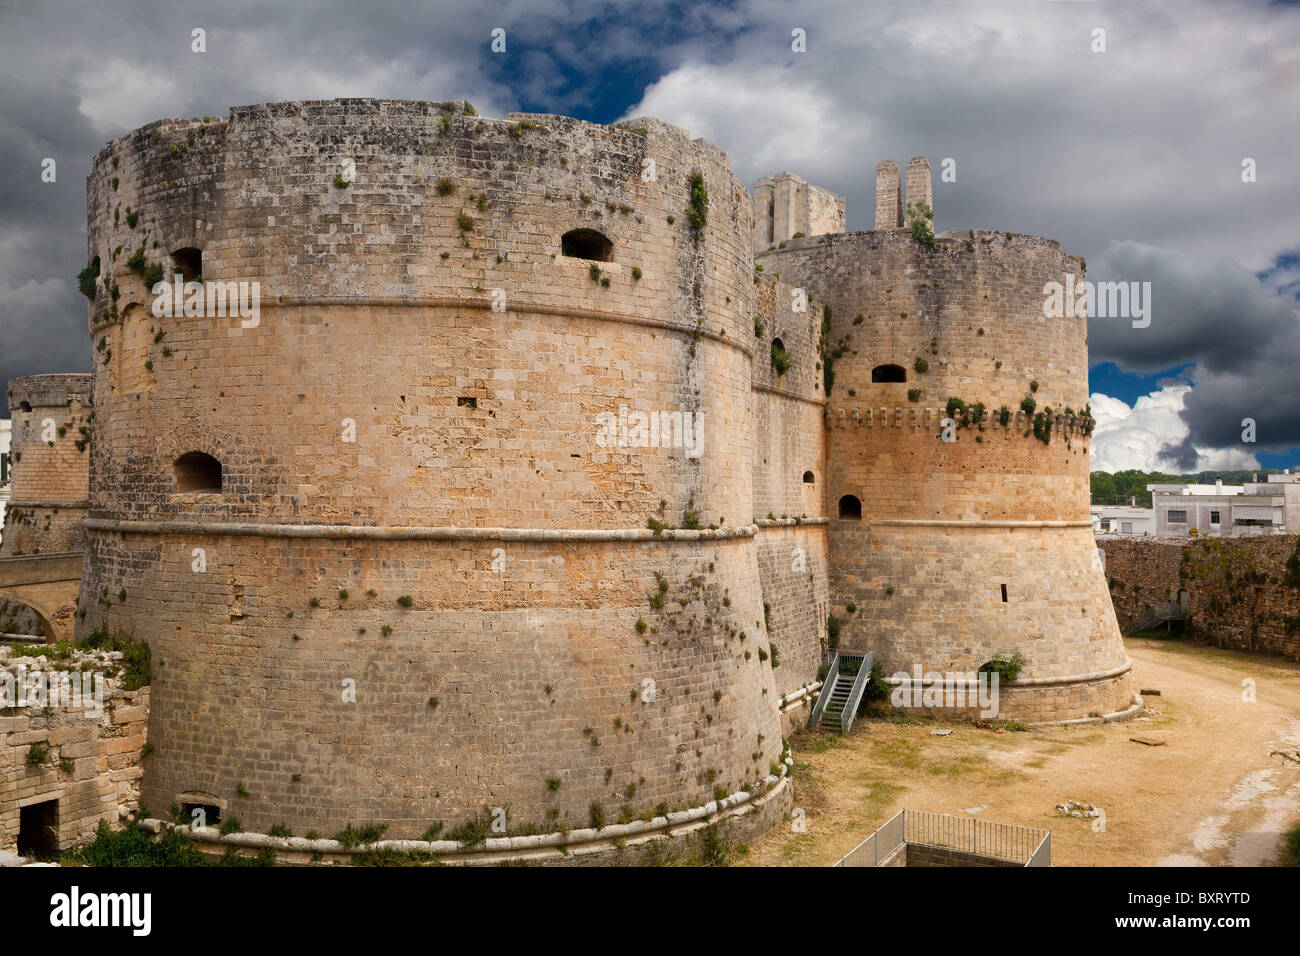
x,y
391,564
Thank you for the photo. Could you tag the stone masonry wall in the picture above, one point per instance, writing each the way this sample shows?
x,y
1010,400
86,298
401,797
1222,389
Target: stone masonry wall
x,y
465,607
93,768
789,473
946,525
1240,591
51,422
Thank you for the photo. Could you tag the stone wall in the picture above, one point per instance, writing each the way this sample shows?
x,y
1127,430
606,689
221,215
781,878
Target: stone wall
x,y
789,468
90,764
1240,591
466,607
976,546
50,459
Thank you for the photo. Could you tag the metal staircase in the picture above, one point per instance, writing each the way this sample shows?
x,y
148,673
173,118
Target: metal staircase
x,y
841,693
1153,615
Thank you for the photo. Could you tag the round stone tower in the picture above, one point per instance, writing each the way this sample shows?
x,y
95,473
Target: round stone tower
x,y
955,542
50,457
432,489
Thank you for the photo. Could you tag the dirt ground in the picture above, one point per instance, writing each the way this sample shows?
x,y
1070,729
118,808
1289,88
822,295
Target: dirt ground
x,y
1211,796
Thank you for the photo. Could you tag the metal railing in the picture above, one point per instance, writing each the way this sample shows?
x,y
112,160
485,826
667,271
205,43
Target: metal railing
x,y
828,685
876,848
1030,846
1159,613
1043,855
1000,841
855,696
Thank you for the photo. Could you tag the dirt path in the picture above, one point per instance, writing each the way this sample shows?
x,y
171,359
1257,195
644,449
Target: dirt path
x,y
1211,796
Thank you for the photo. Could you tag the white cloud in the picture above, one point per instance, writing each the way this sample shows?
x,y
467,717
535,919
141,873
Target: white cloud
x,y
733,107
1133,437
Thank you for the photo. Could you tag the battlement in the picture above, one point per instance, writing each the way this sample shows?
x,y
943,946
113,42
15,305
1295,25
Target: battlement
x,y
48,391
1018,423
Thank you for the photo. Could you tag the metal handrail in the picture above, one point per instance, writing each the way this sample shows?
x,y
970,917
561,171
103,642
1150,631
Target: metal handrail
x,y
1011,842
828,685
1003,841
859,688
869,852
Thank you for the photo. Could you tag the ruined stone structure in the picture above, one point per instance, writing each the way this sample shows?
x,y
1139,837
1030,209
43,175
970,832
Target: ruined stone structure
x,y
512,491
65,768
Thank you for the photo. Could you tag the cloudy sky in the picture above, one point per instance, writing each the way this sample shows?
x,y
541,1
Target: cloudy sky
x,y
1132,157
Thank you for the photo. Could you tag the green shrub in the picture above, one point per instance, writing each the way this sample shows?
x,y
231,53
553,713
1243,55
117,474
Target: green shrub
x,y
86,279
1006,667
781,360
699,208
132,847
472,832
920,215
137,667
1291,844
921,365
352,836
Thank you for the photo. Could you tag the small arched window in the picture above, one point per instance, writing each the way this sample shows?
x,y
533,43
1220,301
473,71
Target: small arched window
x,y
808,478
851,508
188,262
197,472
889,373
587,244
25,406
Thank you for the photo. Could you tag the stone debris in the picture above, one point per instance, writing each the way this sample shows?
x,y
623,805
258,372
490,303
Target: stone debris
x,y
941,733
1079,809
1147,741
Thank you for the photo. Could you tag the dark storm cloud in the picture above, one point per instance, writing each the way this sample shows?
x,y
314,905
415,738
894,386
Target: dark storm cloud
x,y
73,76
1141,144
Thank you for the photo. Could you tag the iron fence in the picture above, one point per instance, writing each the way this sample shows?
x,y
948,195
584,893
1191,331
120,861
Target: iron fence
x,y
1030,846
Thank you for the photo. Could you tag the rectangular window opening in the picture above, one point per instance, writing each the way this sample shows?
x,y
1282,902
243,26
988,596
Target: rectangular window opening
x,y
1004,594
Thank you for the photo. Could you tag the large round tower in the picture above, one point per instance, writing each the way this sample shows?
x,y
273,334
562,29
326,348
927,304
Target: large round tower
x,y
457,513
950,546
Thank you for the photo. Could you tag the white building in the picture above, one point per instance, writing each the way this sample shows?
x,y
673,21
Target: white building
x,y
1123,520
1258,507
